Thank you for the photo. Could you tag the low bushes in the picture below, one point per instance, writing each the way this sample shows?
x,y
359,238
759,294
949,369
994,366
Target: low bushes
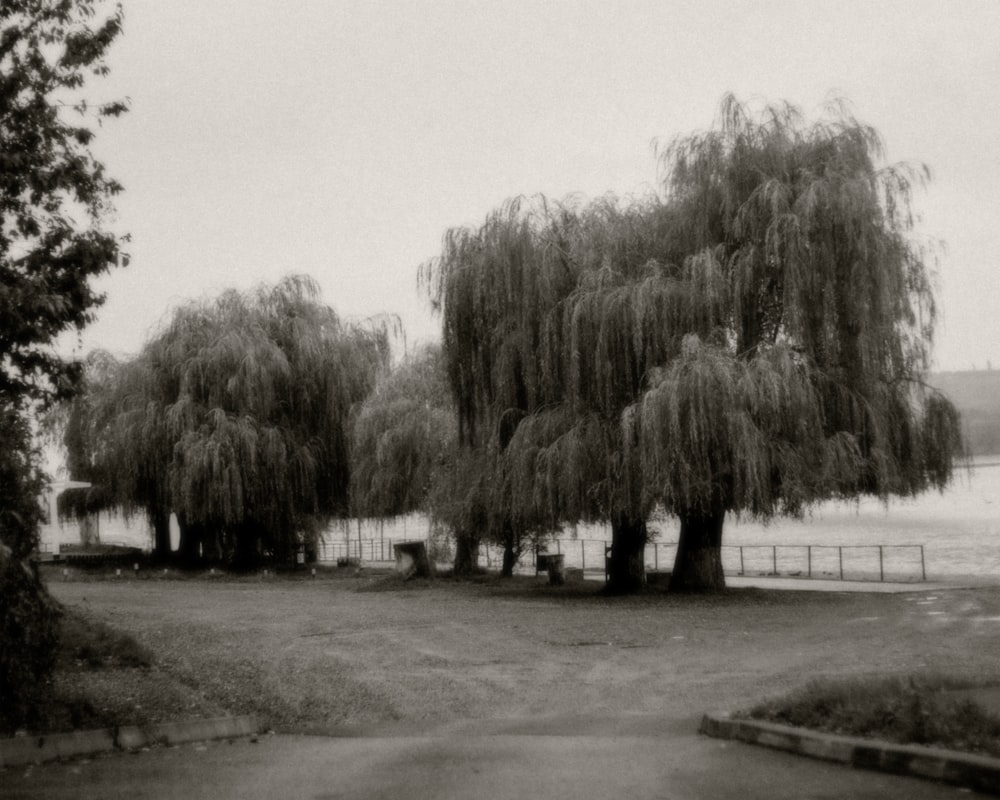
x,y
918,709
28,638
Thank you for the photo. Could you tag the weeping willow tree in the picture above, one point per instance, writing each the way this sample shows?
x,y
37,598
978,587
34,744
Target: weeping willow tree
x,y
235,418
403,445
405,457
752,340
519,298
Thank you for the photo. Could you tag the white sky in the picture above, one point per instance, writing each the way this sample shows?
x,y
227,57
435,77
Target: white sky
x,y
341,139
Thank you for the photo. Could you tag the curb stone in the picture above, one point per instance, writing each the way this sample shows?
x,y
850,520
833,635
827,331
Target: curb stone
x,y
949,766
23,750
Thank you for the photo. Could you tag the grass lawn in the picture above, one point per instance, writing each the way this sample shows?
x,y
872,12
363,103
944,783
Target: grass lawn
x,y
365,649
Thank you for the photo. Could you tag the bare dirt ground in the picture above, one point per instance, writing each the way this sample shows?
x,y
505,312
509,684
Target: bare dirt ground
x,y
370,652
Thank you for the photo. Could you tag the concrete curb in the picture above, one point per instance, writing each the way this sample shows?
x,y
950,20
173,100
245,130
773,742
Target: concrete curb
x,y
962,769
36,749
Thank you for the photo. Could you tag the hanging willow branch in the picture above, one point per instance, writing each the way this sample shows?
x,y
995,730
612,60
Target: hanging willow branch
x,y
235,415
754,338
401,435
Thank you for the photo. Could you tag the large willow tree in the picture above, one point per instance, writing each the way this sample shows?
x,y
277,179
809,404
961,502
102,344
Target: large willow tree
x,y
752,340
235,418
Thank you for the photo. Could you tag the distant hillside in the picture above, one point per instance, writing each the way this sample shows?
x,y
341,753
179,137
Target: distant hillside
x,y
977,396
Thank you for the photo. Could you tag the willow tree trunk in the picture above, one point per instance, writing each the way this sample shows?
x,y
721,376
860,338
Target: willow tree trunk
x,y
161,537
90,532
189,547
510,555
698,564
466,554
627,565
247,554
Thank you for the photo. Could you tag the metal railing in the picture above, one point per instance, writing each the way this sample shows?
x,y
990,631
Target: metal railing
x,y
841,562
375,550
811,562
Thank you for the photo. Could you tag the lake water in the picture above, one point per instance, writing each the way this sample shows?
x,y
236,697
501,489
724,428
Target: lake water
x,y
958,528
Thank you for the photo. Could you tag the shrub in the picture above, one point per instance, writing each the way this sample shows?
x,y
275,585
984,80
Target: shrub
x,y
28,638
916,709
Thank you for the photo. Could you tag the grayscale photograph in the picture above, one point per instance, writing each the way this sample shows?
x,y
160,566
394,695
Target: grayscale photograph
x,y
466,400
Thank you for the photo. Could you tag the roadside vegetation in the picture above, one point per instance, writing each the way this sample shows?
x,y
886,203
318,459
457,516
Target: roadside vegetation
x,y
927,709
103,678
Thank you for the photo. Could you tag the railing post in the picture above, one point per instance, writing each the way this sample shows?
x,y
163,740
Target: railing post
x,y
583,554
809,561
923,567
840,553
742,571
774,559
881,570
558,549
656,556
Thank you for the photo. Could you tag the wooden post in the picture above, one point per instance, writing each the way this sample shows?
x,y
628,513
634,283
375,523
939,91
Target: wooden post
x,y
742,571
583,554
923,567
774,559
840,552
881,570
412,560
809,560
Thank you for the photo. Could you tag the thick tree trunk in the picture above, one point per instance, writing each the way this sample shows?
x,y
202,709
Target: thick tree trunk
x,y
510,554
698,565
509,560
247,554
90,533
212,549
188,549
161,537
466,554
627,565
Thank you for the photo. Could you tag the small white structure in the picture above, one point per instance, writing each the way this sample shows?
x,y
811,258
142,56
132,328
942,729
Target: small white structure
x,y
50,538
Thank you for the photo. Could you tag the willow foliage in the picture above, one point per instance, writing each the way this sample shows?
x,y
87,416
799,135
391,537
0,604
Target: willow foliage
x,y
817,389
753,338
401,436
235,415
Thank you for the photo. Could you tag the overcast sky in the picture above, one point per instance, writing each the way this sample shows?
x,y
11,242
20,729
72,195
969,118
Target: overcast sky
x,y
341,139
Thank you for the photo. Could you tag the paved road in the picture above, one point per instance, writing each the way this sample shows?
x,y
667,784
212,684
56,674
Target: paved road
x,y
579,757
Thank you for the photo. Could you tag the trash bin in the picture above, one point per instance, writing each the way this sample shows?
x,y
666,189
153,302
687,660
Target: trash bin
x,y
554,563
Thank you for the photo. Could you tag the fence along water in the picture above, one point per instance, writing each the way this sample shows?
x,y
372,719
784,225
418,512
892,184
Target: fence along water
x,y
880,562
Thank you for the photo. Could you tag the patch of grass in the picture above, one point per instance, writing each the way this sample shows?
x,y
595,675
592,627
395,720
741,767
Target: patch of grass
x,y
89,644
931,709
104,678
371,649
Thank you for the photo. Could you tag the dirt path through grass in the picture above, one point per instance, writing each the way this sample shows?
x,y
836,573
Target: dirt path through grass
x,y
365,652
